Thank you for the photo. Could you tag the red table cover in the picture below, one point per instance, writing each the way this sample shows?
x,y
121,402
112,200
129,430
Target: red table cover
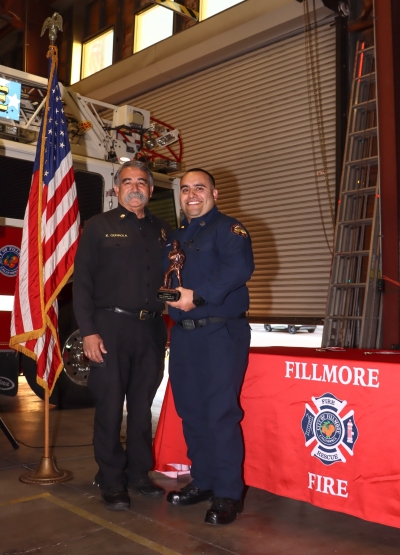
x,y
318,426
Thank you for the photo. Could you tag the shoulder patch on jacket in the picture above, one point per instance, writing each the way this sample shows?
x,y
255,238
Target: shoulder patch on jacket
x,y
239,230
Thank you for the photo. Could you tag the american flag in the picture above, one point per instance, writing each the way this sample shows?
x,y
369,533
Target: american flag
x,y
49,243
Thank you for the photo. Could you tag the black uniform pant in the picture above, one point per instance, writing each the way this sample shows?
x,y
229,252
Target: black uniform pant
x,y
207,367
133,368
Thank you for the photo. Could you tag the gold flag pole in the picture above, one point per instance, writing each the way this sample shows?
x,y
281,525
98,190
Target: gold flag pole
x,y
47,472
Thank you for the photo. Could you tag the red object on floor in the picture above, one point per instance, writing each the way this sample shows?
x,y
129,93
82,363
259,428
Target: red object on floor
x,y
318,426
169,445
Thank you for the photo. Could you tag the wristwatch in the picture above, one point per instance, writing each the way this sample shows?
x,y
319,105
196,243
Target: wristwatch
x,y
198,301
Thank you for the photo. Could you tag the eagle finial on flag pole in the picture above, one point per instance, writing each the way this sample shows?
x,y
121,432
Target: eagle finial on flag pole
x,y
53,24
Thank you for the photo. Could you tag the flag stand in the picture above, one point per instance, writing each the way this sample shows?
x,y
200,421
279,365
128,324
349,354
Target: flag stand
x,y
47,473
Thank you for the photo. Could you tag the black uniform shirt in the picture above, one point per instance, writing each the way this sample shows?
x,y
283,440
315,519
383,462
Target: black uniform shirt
x,y
118,263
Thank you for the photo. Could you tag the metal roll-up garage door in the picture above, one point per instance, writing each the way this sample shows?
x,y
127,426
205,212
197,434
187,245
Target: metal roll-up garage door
x,y
247,122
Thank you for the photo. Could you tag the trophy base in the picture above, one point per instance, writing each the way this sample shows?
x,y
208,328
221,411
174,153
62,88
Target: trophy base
x,y
171,295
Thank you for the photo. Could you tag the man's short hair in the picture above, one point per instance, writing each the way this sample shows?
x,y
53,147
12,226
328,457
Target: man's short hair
x,y
133,164
211,177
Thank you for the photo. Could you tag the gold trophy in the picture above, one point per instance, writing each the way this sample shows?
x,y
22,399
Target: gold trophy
x,y
177,258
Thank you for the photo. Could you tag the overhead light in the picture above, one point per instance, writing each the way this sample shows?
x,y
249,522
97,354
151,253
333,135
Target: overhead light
x,y
165,166
124,159
9,130
168,138
150,143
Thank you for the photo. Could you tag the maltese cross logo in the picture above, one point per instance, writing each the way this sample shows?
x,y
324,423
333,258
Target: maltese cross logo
x,y
328,429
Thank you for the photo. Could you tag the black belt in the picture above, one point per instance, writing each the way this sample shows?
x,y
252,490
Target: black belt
x,y
141,314
191,324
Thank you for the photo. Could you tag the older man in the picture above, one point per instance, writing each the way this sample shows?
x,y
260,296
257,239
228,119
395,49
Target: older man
x,y
209,347
118,270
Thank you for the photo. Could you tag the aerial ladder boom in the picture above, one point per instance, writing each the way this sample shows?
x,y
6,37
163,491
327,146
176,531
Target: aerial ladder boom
x,y
96,129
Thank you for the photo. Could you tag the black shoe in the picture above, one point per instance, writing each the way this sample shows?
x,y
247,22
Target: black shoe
x,y
147,487
115,501
189,495
223,510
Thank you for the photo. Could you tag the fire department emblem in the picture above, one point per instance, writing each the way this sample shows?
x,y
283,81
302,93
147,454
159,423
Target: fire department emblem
x,y
9,260
331,433
239,230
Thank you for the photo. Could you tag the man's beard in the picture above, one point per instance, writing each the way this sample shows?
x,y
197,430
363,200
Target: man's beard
x,y
141,196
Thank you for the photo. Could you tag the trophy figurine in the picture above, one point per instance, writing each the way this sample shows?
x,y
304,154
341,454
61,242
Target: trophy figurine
x,y
177,258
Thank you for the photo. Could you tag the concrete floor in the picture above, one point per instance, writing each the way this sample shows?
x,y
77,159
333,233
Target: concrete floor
x,y
68,519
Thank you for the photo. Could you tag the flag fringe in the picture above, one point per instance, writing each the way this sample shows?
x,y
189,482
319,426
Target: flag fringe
x,y
45,385
23,337
22,349
62,283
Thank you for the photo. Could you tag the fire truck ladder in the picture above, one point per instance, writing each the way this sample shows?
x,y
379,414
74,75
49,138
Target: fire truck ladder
x,y
354,301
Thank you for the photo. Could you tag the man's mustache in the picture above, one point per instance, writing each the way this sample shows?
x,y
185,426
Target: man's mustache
x,y
130,196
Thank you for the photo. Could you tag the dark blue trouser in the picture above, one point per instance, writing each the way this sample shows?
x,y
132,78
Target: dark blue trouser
x,y
206,369
133,369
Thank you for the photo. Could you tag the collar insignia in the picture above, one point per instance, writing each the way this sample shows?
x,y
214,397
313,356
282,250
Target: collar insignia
x,y
122,215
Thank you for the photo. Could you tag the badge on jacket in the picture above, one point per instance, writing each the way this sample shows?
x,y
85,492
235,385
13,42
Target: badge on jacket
x,y
163,234
239,230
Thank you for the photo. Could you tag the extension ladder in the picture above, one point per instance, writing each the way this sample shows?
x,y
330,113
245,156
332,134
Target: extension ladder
x,y
353,312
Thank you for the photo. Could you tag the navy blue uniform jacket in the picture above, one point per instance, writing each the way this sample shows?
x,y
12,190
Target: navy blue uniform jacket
x,y
219,262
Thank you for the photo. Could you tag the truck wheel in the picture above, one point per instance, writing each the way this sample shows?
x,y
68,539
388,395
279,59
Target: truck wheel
x,y
267,327
292,329
70,391
311,330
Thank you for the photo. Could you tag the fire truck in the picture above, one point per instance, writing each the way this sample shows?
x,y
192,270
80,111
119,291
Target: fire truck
x,y
102,136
